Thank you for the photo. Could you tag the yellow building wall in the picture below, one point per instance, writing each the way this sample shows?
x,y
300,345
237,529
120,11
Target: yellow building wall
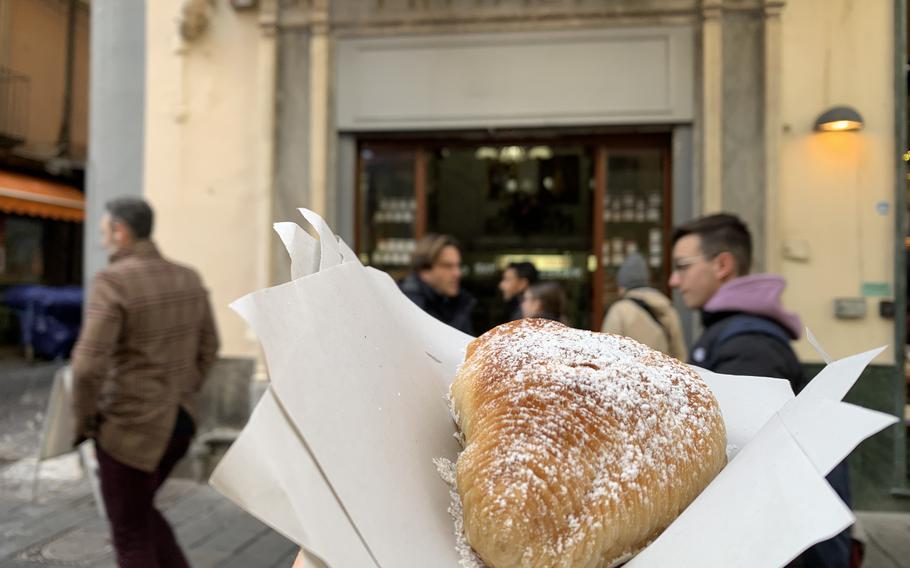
x,y
208,142
837,52
209,151
35,46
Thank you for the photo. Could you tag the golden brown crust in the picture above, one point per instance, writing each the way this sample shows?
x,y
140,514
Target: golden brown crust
x,y
581,447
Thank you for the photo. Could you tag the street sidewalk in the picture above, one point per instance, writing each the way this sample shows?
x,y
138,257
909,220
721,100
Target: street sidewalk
x,y
888,536
62,527
60,524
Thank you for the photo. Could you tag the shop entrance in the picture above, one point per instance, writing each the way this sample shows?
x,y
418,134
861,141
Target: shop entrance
x,y
573,205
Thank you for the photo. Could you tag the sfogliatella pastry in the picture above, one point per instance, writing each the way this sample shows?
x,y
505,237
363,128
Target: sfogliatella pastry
x,y
581,447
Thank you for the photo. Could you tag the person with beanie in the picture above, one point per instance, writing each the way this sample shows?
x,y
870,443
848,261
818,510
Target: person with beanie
x,y
644,313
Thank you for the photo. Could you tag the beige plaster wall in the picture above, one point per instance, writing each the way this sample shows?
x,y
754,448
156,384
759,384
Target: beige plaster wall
x,y
35,45
208,153
837,52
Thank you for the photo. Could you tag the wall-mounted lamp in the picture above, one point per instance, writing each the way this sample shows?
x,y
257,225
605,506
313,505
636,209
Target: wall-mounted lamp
x,y
839,119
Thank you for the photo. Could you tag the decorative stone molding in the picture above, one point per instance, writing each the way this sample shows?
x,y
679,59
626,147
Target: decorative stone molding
x,y
773,8
772,103
636,75
361,10
320,96
374,17
193,19
712,9
712,105
268,16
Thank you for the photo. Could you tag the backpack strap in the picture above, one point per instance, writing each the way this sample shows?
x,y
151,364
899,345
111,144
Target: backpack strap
x,y
745,323
650,311
739,324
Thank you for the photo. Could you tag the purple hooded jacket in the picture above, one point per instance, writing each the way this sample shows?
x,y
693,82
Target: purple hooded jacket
x,y
757,294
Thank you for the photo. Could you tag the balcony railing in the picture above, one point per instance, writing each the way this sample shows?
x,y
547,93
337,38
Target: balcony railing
x,y
14,98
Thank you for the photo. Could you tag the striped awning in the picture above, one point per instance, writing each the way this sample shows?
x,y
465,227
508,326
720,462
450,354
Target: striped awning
x,y
34,197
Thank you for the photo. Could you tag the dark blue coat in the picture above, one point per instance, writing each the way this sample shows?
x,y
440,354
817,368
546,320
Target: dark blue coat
x,y
756,348
453,311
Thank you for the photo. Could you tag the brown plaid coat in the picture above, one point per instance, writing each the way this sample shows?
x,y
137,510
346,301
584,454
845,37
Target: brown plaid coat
x,y
146,344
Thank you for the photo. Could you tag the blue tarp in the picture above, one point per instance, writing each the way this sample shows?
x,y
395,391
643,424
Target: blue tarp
x,y
49,317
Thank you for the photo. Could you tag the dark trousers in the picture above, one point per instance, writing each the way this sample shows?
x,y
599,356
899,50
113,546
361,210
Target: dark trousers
x,y
142,536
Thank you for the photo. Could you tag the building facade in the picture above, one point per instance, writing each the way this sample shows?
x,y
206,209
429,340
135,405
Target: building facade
x,y
569,132
44,51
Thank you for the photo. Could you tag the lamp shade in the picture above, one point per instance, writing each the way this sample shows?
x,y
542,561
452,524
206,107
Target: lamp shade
x,y
839,119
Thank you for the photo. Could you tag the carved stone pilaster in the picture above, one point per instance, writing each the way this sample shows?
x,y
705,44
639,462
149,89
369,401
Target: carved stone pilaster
x,y
712,105
320,104
772,103
268,16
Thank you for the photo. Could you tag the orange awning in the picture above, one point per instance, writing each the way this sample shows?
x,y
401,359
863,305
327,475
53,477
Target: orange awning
x,y
34,197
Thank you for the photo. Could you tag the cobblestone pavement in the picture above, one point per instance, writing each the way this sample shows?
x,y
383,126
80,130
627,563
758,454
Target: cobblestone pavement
x,y
56,522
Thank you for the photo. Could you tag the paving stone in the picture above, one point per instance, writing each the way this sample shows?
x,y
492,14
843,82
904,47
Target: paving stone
x,y
62,527
268,550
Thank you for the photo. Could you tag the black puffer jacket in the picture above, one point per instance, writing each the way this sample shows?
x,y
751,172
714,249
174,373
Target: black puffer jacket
x,y
757,352
747,332
453,311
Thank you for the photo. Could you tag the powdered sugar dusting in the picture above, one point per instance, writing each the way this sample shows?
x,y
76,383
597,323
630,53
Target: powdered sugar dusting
x,y
468,558
571,436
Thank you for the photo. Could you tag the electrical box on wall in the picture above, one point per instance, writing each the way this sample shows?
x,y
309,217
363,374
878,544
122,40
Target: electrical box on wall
x,y
796,249
849,308
887,309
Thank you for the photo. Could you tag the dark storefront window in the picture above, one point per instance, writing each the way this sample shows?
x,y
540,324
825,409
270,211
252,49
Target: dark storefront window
x,y
388,208
23,251
513,202
575,207
635,215
39,251
35,251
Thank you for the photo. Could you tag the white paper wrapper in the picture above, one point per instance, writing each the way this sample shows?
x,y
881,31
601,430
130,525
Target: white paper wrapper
x,y
57,433
57,436
338,456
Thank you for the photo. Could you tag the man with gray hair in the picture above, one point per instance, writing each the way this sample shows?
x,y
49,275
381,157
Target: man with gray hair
x,y
147,342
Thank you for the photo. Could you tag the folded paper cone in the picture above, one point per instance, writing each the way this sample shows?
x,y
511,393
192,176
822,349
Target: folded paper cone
x,y
338,456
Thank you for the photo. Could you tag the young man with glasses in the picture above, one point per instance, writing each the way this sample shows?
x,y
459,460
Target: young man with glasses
x,y
747,331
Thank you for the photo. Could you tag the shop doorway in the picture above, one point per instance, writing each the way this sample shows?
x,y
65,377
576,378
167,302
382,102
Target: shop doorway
x,y
575,206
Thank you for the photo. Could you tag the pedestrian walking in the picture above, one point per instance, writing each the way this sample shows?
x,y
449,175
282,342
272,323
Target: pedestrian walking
x,y
147,342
